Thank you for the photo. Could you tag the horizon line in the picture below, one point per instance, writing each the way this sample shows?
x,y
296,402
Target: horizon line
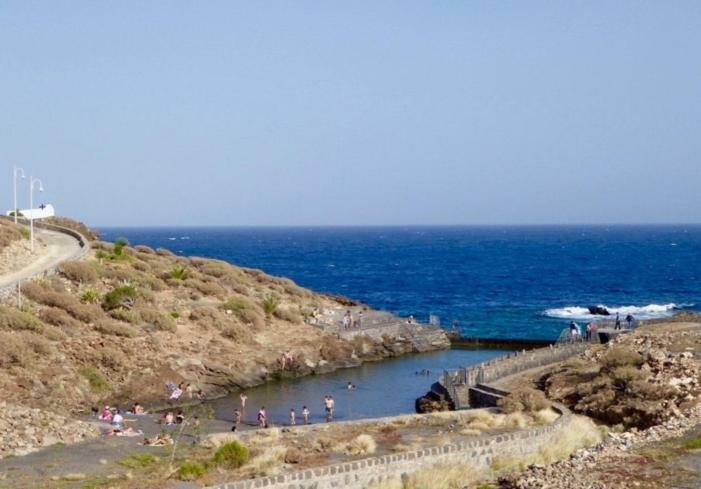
x,y
205,226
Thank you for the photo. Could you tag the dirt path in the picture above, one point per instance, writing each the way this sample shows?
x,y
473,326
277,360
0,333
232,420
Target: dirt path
x,y
58,247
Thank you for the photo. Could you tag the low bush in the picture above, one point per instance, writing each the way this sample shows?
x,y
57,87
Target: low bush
x,y
112,358
158,320
97,382
138,460
231,455
86,313
524,399
164,252
124,296
178,272
119,245
14,351
693,444
236,304
57,317
90,296
11,318
360,445
78,271
9,233
211,289
144,249
116,329
236,332
287,314
270,303
126,315
190,470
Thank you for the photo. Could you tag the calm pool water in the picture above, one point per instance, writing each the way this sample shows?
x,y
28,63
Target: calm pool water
x,y
384,388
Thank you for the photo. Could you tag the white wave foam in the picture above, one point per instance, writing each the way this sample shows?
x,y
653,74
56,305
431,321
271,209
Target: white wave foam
x,y
650,311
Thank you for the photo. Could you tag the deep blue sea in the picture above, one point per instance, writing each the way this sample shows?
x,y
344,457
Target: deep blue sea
x,y
518,281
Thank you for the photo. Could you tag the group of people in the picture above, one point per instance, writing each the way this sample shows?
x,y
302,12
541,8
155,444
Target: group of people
x,y
629,321
262,420
177,391
115,418
350,322
591,328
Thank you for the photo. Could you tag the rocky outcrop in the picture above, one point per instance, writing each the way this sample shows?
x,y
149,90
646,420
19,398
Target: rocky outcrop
x,y
25,430
599,311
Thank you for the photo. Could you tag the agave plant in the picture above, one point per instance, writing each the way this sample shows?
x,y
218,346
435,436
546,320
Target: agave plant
x,y
178,272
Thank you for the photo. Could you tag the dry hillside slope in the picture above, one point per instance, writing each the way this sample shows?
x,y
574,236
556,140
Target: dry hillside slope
x,y
121,324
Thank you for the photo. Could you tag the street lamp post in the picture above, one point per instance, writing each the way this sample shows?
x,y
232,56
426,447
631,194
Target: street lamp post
x,y
32,181
17,171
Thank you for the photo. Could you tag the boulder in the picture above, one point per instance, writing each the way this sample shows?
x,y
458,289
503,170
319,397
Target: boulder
x,y
598,311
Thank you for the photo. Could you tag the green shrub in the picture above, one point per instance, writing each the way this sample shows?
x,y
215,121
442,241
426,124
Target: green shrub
x,y
190,470
231,455
119,246
175,314
101,254
178,272
124,296
138,460
91,296
98,384
270,303
78,271
693,444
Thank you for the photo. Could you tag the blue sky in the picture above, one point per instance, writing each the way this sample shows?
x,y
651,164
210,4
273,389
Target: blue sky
x,y
378,112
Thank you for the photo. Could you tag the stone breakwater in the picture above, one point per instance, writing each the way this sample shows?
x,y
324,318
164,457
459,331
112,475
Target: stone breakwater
x,y
25,430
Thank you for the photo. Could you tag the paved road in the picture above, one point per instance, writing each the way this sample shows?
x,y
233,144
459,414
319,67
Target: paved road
x,y
59,247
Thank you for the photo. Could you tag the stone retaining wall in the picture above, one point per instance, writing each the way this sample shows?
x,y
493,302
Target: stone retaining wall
x,y
477,453
458,382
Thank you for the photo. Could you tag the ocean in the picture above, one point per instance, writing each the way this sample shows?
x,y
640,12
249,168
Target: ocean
x,y
496,282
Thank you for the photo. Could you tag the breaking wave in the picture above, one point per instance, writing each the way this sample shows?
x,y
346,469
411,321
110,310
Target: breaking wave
x,y
651,311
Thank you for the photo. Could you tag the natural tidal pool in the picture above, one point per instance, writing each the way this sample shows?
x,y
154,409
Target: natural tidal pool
x,y
384,388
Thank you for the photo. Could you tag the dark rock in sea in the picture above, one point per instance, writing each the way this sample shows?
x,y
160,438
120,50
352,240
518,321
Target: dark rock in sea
x,y
599,311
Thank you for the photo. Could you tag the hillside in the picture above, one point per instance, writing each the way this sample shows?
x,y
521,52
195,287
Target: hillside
x,y
119,325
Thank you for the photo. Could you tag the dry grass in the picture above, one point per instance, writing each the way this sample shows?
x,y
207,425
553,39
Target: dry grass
x,y
270,462
9,233
78,271
115,328
524,399
360,445
442,476
11,318
86,313
158,320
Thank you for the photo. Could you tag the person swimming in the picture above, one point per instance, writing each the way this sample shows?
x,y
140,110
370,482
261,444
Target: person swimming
x,y
350,386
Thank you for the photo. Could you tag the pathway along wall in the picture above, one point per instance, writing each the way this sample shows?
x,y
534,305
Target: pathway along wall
x,y
477,453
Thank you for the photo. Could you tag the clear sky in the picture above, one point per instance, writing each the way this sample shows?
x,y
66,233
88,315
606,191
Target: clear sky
x,y
362,112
